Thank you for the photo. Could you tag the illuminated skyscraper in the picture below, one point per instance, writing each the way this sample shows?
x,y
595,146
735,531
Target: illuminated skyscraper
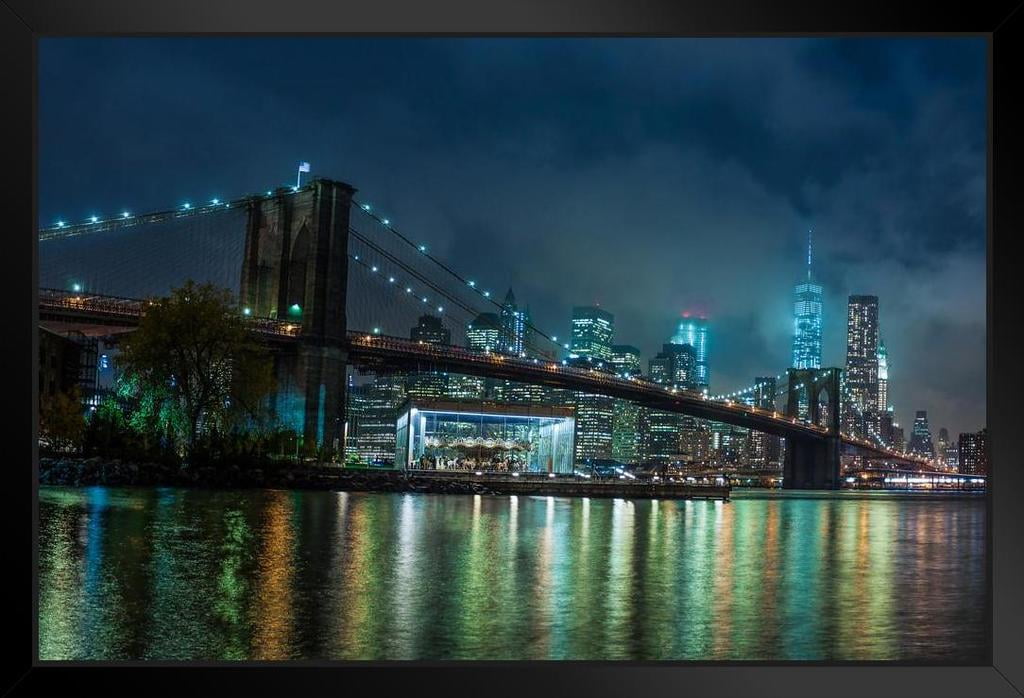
x,y
626,431
592,330
513,326
862,361
484,333
883,378
764,449
943,446
661,434
807,309
921,436
372,410
675,365
694,331
594,421
626,427
898,442
973,453
626,360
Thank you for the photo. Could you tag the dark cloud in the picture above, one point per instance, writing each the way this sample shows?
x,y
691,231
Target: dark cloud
x,y
652,176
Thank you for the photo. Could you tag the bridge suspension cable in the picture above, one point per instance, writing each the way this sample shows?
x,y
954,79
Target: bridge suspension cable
x,y
484,295
126,219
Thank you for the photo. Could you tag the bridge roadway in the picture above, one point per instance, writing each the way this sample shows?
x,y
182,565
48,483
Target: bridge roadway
x,y
394,352
368,350
101,311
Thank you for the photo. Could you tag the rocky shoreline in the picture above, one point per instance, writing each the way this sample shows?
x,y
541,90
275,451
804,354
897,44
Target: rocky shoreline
x,y
77,472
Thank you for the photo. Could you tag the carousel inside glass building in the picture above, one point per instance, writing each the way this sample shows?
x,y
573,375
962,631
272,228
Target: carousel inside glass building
x,y
481,437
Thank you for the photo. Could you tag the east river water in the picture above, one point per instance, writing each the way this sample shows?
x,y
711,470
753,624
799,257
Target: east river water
x,y
128,573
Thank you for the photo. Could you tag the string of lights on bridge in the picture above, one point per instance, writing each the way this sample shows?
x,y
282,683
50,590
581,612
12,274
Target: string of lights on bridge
x,y
744,391
126,218
369,210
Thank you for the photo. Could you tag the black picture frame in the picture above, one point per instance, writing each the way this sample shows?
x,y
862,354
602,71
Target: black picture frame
x,y
23,22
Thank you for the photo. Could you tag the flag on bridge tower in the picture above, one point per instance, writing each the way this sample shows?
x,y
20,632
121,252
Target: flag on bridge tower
x,y
303,167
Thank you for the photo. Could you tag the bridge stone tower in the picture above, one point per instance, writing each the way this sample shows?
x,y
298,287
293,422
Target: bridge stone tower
x,y
812,463
295,267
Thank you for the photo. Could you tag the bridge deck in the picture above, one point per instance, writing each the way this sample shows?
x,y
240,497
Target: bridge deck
x,y
376,350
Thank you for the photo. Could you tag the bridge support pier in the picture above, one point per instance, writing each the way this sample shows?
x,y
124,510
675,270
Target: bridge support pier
x,y
311,395
811,464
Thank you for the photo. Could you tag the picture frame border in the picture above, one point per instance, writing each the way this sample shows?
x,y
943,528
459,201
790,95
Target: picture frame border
x,y
24,22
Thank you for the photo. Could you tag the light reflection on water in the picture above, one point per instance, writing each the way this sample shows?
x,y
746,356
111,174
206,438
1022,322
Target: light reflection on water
x,y
266,574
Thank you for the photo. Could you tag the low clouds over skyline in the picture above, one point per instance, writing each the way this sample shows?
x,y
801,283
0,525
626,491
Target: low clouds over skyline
x,y
651,176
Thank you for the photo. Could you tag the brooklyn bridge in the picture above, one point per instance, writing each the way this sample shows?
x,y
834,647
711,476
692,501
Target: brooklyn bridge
x,y
328,283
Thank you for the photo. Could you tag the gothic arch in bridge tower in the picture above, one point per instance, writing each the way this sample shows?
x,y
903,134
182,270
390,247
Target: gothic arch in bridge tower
x,y
298,268
824,408
812,461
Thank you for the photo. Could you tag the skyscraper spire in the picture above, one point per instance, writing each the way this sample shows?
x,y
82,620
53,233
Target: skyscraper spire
x,y
809,232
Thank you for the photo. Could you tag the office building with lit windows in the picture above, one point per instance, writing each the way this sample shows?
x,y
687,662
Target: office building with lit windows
x,y
626,360
973,453
921,436
513,326
898,442
942,447
764,450
484,333
953,457
592,329
504,390
661,436
594,425
675,365
626,431
862,352
461,387
883,378
372,409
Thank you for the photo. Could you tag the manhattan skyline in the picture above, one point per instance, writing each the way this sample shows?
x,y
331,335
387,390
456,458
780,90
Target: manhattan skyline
x,y
654,177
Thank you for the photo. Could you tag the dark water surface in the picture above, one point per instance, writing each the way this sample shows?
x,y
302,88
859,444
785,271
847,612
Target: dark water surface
x,y
129,573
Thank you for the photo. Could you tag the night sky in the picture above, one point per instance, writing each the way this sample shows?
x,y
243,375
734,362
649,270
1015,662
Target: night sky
x,y
650,176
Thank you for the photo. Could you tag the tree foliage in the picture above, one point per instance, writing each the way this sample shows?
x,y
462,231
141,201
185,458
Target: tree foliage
x,y
193,366
61,421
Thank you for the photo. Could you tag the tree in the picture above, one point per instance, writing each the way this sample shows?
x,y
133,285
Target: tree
x,y
194,347
62,421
